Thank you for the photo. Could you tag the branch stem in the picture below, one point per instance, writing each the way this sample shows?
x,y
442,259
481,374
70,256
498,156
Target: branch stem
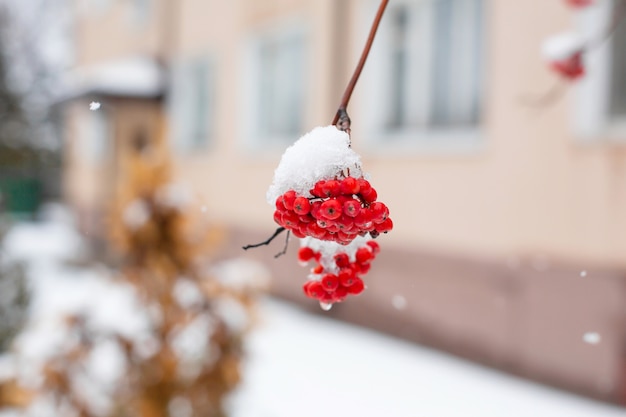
x,y
341,112
265,242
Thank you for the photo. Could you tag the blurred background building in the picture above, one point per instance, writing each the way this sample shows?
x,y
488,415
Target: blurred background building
x,y
509,245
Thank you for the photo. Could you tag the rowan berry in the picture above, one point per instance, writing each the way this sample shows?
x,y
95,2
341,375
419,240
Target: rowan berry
x,y
330,282
330,209
385,226
305,254
288,199
351,207
364,255
350,186
301,205
342,259
357,286
331,188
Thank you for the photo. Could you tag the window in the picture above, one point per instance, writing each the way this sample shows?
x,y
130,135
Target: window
x,y
192,104
276,93
429,60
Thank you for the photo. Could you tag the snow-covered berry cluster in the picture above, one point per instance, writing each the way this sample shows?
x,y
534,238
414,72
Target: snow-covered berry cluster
x,y
322,196
337,210
337,275
564,53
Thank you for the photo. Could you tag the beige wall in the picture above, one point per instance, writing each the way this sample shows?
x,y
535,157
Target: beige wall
x,y
530,189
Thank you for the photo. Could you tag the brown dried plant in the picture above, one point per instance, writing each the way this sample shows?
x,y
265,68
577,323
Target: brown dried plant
x,y
157,245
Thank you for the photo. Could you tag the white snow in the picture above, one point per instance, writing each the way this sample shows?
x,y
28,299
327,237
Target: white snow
x,y
94,105
135,76
320,154
309,366
592,338
562,46
136,214
329,249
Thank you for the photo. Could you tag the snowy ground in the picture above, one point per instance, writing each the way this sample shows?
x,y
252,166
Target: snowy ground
x,y
307,366
300,365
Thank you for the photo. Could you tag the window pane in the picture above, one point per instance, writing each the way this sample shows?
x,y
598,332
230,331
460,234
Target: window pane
x,y
457,62
281,85
399,66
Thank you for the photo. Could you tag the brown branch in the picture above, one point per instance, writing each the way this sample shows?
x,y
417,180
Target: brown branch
x,y
265,242
548,97
342,115
284,251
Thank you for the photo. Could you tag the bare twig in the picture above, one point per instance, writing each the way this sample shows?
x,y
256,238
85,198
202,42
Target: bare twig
x,y
284,251
550,96
342,115
265,242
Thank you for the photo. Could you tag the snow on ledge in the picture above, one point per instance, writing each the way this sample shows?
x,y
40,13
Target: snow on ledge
x,y
130,77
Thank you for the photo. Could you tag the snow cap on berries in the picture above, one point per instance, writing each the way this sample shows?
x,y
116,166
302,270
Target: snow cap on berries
x,y
329,249
320,154
563,46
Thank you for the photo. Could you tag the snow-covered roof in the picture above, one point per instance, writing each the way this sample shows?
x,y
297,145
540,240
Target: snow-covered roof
x,y
138,77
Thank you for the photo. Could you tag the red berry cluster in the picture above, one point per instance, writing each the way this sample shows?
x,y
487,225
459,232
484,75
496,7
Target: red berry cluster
x,y
579,3
336,284
338,211
571,67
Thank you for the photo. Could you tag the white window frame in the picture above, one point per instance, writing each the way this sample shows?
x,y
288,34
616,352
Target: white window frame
x,y
187,134
377,72
591,119
253,138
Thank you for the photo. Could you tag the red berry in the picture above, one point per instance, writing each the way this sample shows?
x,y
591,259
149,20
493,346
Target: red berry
x,y
375,247
279,204
317,191
351,208
342,259
330,209
364,268
278,217
290,220
385,226
316,206
331,188
379,212
317,270
346,277
330,282
301,205
314,289
357,287
305,254
364,185
340,294
571,67
288,199
370,196
345,223
364,255
349,186
315,230
363,220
